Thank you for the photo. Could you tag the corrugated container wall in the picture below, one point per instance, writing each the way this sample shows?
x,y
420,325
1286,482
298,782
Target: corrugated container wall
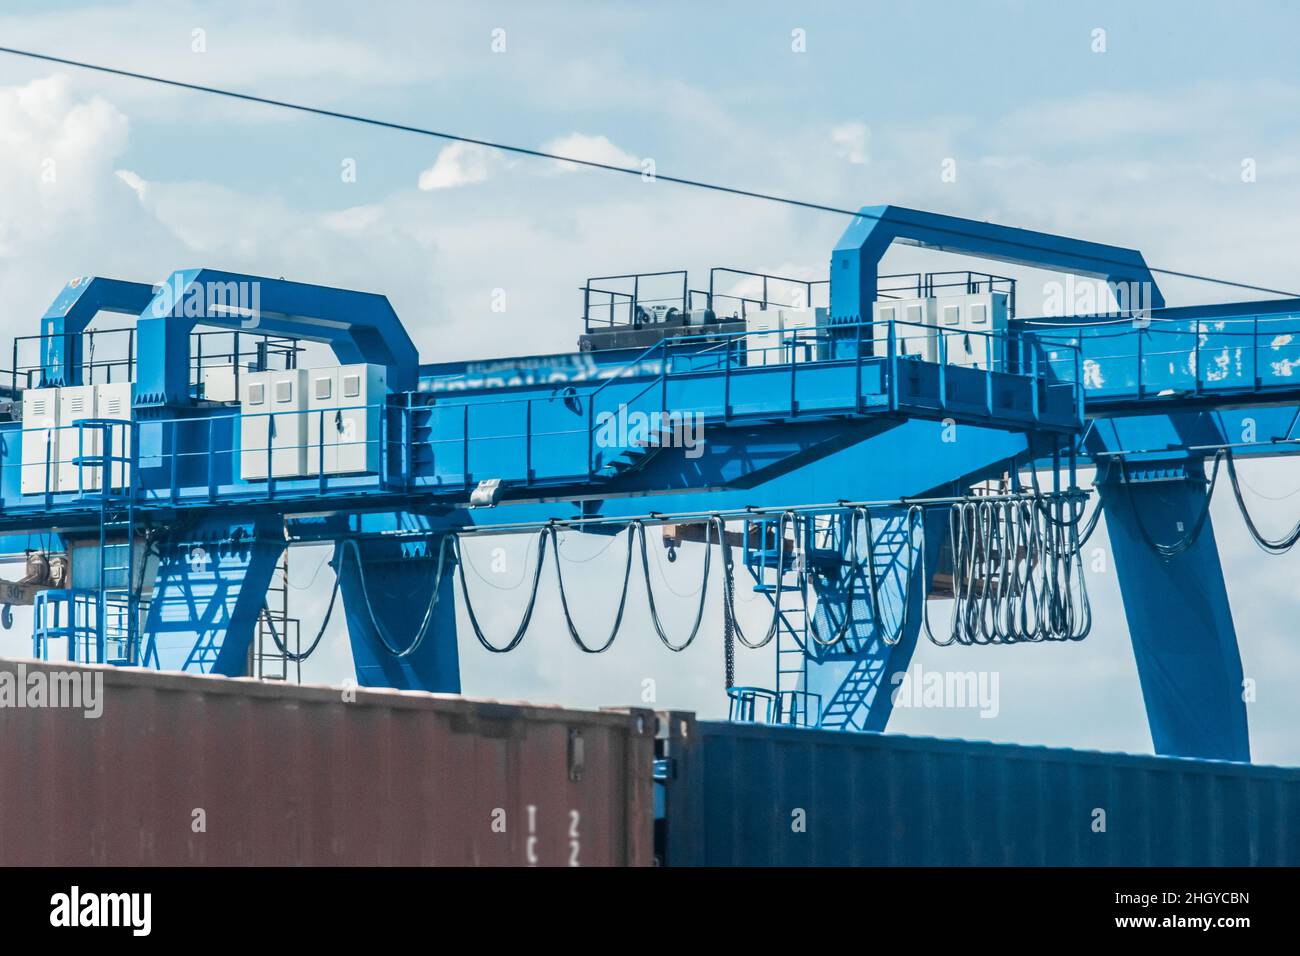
x,y
752,795
204,770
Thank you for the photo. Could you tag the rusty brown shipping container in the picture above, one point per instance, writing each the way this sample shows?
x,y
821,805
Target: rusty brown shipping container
x,y
281,775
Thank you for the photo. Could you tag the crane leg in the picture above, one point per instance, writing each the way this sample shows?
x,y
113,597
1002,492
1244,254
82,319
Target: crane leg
x,y
1179,619
209,589
387,599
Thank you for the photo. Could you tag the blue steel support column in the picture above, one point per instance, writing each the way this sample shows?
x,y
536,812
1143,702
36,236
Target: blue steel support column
x,y
71,313
1178,619
210,587
394,589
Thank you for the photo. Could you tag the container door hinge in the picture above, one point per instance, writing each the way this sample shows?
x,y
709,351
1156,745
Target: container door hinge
x,y
577,755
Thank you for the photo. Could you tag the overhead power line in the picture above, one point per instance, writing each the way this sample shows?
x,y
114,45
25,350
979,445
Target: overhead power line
x,y
590,163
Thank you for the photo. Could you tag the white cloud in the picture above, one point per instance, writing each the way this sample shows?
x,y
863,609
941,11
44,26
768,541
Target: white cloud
x,y
850,141
593,149
138,185
92,215
62,203
463,164
459,164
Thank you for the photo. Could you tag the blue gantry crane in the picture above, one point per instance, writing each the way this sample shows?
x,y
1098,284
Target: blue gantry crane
x,y
879,457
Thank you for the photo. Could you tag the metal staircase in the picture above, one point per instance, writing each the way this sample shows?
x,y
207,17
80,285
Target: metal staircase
x,y
823,546
794,703
863,648
846,709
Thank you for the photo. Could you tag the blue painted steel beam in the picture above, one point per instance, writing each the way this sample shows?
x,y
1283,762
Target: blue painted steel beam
x,y
858,253
911,459
1204,357
358,326
1250,433
1179,619
391,605
16,546
209,589
71,313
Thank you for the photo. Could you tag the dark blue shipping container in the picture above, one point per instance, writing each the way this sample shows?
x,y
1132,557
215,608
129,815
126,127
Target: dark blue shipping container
x,y
753,795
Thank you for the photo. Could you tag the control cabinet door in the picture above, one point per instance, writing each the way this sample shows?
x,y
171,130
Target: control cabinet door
x,y
113,402
79,448
287,405
322,420
254,426
40,441
362,392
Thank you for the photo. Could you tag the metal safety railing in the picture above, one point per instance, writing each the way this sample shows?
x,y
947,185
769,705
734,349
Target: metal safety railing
x,y
850,368
752,705
925,285
760,705
604,308
201,460
1135,359
571,434
91,455
73,616
800,293
107,356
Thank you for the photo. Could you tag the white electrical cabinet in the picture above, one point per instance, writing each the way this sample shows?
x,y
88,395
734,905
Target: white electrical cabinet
x,y
913,322
273,419
344,415
77,445
113,402
40,441
220,384
974,329
779,336
50,434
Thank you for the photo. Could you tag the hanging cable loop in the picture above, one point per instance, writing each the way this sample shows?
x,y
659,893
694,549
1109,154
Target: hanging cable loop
x,y
709,527
426,625
915,568
299,657
1017,576
728,568
622,600
1017,570
1272,545
1169,551
527,617
854,569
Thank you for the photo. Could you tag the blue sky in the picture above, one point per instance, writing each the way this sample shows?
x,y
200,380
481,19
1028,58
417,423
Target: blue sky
x,y
1140,145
